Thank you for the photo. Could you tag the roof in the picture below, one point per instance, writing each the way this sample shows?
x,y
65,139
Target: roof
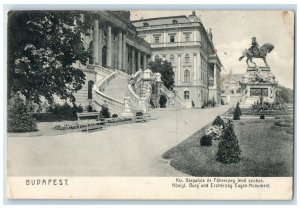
x,y
161,21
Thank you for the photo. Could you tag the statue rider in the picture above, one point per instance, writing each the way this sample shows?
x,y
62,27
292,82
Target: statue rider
x,y
254,47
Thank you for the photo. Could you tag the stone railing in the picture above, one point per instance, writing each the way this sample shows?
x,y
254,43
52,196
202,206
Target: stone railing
x,y
114,105
171,95
100,98
102,84
125,75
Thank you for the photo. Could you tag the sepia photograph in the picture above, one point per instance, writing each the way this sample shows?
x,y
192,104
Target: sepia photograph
x,y
150,104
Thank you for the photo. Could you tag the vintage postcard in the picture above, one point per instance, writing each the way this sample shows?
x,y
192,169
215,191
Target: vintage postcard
x,y
150,104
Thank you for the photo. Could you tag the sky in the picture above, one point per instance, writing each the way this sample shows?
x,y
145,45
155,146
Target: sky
x,y
232,33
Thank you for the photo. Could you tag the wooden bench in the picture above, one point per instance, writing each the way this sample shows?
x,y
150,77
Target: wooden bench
x,y
93,125
139,117
147,115
87,115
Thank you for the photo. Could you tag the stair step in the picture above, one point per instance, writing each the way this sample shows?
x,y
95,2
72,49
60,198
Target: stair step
x,y
117,88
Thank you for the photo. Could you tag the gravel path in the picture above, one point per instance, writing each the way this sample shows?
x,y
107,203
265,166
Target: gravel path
x,y
125,150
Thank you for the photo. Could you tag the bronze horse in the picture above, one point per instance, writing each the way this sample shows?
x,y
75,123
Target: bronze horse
x,y
261,53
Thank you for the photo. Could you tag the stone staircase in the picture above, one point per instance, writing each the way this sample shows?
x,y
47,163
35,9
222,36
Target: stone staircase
x,y
117,87
123,93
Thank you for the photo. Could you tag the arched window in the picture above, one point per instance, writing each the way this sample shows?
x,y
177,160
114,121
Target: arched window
x,y
174,21
187,58
146,24
186,94
156,58
172,58
187,76
90,89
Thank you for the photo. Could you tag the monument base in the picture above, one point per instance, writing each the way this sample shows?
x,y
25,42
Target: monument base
x,y
258,85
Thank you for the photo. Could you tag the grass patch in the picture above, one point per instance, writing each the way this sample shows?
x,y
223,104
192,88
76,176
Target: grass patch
x,y
265,152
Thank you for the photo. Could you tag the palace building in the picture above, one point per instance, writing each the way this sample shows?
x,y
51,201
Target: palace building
x,y
185,43
121,49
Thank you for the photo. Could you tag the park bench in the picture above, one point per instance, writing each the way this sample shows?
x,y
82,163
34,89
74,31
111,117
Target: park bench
x,y
93,125
87,115
147,115
139,117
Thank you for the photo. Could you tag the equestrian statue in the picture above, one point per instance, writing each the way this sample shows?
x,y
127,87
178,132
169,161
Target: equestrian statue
x,y
257,52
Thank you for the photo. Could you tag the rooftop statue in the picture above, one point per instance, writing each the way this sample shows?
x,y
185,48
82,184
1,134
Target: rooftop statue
x,y
257,52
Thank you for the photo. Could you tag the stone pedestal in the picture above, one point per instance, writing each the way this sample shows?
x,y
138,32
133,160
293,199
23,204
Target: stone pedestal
x,y
127,112
258,85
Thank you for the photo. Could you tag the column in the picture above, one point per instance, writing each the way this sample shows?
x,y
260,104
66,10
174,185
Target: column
x,y
139,60
133,69
145,61
100,45
120,51
215,75
96,42
179,68
195,68
108,47
125,55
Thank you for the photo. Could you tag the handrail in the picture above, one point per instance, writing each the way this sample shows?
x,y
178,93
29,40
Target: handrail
x,y
115,104
106,80
133,95
171,94
123,74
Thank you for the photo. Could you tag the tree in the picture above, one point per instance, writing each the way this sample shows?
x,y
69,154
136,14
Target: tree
x,y
228,148
43,47
284,95
165,69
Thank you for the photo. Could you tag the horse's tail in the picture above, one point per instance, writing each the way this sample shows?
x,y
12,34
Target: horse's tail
x,y
243,55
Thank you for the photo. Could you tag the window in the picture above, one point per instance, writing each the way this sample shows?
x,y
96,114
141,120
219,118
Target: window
x,y
90,89
186,94
156,58
187,37
172,38
187,76
187,58
174,21
172,58
146,24
156,39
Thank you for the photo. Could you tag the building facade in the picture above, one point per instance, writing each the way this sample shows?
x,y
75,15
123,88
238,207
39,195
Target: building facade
x,y
231,89
185,43
114,44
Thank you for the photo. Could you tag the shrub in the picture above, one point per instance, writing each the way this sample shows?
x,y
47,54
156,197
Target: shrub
x,y
79,109
104,113
237,112
262,117
213,103
114,115
19,118
64,112
218,121
90,108
222,102
238,108
206,140
228,149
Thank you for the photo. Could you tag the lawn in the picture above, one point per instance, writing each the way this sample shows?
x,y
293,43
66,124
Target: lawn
x,y
266,151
